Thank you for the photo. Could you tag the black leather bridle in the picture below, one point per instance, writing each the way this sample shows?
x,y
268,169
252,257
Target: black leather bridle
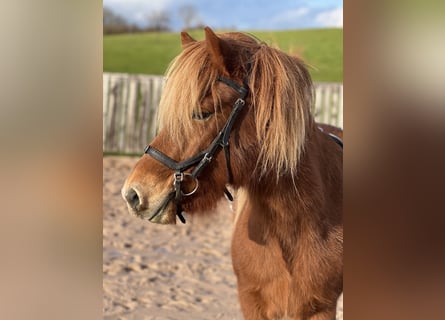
x,y
203,158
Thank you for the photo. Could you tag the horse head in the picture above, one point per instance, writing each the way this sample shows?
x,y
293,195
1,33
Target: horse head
x,y
247,103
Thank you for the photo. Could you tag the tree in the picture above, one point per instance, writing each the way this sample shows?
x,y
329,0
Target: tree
x,y
114,23
159,21
189,16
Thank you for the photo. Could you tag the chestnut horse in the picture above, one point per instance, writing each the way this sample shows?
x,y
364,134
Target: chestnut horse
x,y
236,112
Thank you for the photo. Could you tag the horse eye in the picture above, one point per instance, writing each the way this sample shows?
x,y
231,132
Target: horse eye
x,y
202,115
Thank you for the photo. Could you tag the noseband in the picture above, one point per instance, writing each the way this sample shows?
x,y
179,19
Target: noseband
x,y
203,158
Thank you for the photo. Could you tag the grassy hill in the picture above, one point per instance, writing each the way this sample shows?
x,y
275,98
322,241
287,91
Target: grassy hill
x,y
150,53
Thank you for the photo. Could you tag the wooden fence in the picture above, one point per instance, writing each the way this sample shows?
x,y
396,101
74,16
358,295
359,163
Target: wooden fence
x,y
130,107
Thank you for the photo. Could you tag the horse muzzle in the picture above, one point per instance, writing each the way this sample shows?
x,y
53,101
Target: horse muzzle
x,y
159,210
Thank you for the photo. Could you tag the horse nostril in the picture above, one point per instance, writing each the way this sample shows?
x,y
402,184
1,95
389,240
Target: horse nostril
x,y
133,198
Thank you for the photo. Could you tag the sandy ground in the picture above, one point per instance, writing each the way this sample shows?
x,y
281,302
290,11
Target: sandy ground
x,y
165,272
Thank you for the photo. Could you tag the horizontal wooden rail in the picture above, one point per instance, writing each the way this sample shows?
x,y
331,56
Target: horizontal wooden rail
x,y
130,105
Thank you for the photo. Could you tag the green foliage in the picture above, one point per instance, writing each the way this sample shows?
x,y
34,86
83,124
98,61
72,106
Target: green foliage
x,y
150,53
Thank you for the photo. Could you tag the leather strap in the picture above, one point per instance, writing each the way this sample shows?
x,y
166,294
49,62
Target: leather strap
x,y
241,90
336,139
203,158
169,162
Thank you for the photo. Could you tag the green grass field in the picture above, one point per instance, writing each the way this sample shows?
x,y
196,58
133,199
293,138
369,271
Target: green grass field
x,y
150,53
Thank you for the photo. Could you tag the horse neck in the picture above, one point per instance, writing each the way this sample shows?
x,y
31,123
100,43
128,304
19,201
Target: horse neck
x,y
295,205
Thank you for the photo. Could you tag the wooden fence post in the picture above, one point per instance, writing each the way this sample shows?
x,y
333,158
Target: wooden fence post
x,y
130,104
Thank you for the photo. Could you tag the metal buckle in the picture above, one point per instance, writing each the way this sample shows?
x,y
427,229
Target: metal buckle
x,y
207,158
179,177
240,102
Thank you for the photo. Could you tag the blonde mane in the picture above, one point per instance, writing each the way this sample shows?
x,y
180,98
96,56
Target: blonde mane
x,y
281,94
189,78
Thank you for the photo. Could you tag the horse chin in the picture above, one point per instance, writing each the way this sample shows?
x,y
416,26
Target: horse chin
x,y
163,213
166,216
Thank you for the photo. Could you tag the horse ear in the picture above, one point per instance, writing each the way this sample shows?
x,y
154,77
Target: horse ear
x,y
218,49
186,39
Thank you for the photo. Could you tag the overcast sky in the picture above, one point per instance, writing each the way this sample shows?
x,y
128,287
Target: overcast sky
x,y
239,14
